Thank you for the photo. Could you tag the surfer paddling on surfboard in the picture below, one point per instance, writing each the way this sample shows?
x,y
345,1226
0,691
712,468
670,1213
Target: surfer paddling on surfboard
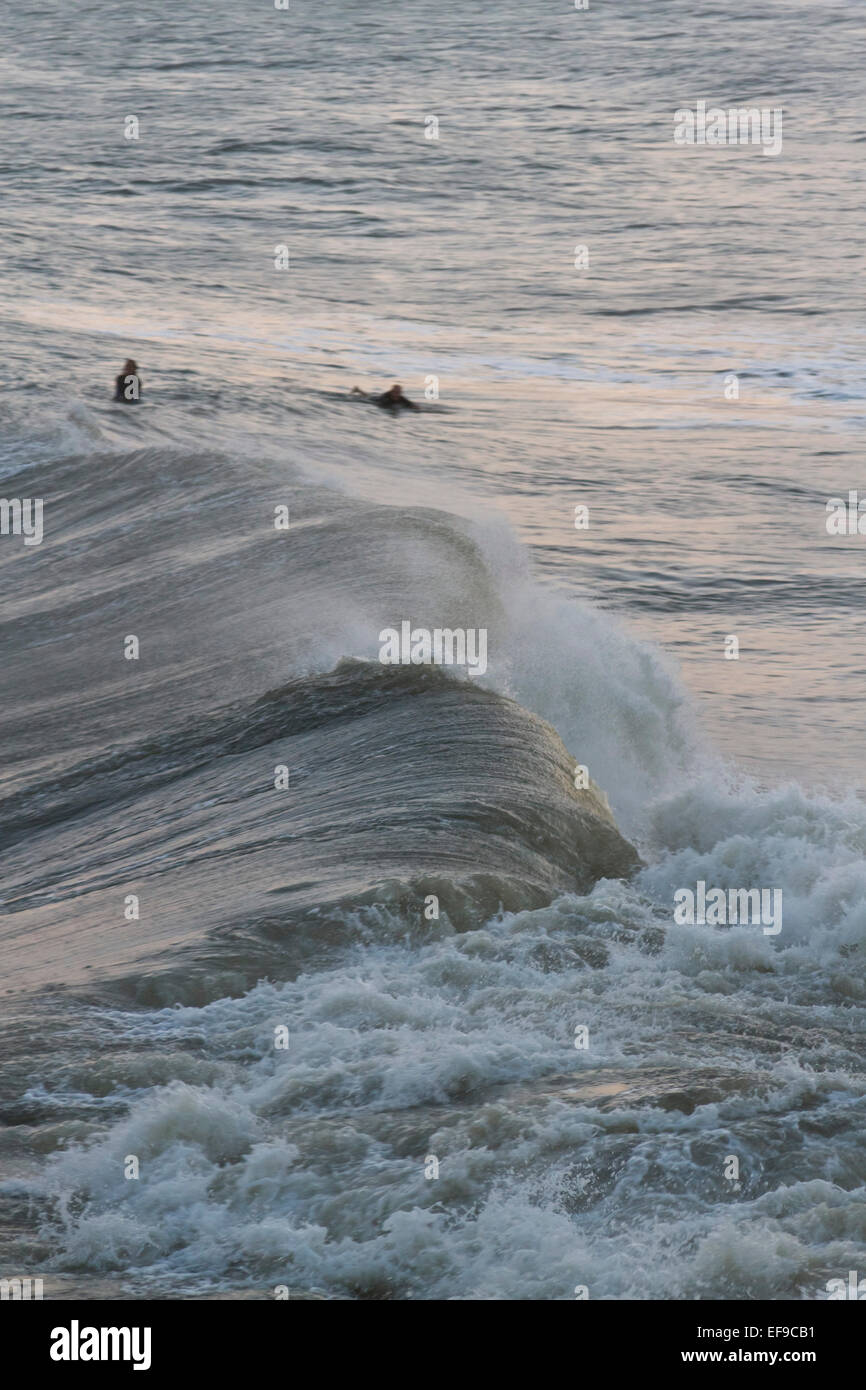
x,y
392,399
127,386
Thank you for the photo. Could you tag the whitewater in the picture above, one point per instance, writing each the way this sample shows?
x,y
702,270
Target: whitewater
x,y
326,978
580,1068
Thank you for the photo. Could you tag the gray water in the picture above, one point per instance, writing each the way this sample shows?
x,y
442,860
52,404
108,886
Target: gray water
x,y
443,263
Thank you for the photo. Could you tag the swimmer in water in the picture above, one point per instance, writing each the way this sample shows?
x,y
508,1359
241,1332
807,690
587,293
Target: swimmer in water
x,y
127,386
392,399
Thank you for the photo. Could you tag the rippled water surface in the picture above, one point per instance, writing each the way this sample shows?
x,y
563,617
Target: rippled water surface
x,y
446,264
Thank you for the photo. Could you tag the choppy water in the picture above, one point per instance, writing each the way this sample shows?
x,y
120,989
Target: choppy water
x,y
412,1039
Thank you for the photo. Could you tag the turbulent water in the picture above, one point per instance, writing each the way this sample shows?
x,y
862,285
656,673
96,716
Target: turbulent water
x,y
326,1086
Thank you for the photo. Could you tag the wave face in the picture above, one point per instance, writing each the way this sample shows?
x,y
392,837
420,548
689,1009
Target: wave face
x,y
434,1126
166,781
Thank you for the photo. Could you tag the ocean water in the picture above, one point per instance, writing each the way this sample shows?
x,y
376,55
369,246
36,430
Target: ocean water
x,y
433,1128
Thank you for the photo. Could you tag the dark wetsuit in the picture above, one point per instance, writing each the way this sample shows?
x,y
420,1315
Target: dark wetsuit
x,y
389,403
126,379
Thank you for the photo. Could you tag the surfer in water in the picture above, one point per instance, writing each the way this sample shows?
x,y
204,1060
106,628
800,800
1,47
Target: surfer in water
x,y
127,386
392,399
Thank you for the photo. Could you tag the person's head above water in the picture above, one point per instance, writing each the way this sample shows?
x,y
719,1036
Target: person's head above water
x,y
393,400
127,386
